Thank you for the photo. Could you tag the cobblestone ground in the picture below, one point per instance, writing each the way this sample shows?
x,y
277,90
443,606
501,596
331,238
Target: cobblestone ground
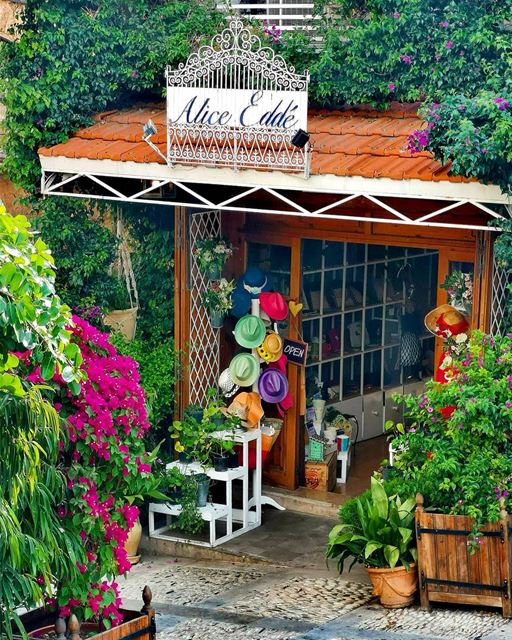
x,y
201,601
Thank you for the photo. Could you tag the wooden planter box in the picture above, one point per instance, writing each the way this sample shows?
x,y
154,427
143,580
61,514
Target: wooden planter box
x,y
448,573
136,626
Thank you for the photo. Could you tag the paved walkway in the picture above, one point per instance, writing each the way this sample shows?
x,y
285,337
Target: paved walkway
x,y
203,601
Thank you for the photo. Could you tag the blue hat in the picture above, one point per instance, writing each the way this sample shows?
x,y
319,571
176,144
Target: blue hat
x,y
241,300
254,281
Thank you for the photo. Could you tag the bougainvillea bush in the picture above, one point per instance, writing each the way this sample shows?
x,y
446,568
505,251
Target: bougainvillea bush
x,y
457,447
107,471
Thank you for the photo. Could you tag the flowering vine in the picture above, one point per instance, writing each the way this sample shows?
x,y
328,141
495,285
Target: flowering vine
x,y
107,470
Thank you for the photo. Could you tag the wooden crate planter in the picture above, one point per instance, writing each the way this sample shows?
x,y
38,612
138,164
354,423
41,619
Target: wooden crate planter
x,y
448,573
136,626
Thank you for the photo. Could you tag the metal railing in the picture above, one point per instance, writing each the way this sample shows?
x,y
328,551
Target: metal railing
x,y
285,15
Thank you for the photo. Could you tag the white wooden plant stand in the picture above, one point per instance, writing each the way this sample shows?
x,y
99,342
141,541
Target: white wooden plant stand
x,y
249,516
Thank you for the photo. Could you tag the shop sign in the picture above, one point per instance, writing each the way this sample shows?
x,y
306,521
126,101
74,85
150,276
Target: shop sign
x,y
238,108
296,352
237,104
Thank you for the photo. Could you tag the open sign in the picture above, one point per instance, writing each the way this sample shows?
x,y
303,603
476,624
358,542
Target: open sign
x,y
295,351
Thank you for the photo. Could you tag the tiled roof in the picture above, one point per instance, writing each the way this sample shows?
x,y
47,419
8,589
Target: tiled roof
x,y
353,142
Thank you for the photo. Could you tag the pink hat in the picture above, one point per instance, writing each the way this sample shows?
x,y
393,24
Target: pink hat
x,y
274,305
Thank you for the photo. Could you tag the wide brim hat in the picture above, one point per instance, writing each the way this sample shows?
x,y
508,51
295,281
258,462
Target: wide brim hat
x,y
250,332
273,386
241,301
227,385
272,348
274,305
247,407
244,369
446,317
254,281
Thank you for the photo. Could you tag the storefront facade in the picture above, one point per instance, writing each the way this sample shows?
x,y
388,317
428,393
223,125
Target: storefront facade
x,y
354,228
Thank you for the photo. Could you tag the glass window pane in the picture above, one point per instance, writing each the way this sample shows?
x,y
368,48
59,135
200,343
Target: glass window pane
x,y
354,286
355,253
333,287
330,377
376,252
373,326
272,259
311,286
372,371
376,284
351,377
331,345
353,332
392,324
333,254
312,255
392,366
311,335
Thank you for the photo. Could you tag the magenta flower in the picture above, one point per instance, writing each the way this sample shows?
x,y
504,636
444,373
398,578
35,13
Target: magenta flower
x,y
444,24
391,86
405,58
449,44
396,15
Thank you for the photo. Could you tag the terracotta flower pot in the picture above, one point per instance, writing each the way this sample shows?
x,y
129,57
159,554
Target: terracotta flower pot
x,y
394,587
132,543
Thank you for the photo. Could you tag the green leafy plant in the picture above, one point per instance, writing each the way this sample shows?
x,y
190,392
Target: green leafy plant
x,y
189,518
381,533
217,296
212,253
456,448
35,545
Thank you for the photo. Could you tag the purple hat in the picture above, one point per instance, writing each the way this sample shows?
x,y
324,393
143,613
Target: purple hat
x,y
273,386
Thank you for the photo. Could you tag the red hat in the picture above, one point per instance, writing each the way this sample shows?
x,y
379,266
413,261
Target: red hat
x,y
274,305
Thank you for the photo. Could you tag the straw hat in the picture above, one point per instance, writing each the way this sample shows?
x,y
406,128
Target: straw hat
x,y
244,369
272,347
446,318
247,407
227,384
250,332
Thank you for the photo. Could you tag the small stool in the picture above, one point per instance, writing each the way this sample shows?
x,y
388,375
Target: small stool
x,y
344,458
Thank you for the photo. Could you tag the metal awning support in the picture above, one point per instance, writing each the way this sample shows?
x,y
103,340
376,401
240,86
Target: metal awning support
x,y
254,192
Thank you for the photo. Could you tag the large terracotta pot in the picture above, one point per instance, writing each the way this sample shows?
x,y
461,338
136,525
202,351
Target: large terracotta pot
x,y
132,543
394,587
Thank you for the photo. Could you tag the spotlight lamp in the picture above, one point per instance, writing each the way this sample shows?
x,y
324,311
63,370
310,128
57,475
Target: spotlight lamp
x,y
300,139
149,129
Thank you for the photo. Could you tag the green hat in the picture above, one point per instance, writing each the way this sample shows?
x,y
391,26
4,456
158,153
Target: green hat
x,y
244,369
250,332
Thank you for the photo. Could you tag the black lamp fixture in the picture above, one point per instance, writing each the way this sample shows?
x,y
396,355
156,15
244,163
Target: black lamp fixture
x,y
300,139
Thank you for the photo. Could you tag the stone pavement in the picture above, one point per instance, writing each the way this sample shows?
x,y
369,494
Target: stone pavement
x,y
203,601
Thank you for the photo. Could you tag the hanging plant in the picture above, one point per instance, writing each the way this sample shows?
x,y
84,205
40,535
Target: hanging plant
x,y
211,255
217,299
459,287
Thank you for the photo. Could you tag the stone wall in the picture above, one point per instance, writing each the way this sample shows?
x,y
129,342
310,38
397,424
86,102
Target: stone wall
x,y
8,12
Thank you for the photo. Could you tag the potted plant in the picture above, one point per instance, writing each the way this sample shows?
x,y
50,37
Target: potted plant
x,y
456,451
194,411
459,287
172,485
189,518
122,316
211,254
217,300
221,454
380,536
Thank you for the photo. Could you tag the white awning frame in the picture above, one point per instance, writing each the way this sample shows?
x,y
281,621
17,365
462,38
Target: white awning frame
x,y
61,177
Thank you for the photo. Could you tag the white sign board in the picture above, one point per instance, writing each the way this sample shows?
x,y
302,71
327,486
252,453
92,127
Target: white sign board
x,y
238,108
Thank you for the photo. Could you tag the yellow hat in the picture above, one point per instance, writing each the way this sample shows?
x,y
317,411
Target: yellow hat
x,y
272,347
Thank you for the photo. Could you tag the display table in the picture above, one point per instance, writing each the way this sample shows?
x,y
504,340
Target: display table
x,y
214,512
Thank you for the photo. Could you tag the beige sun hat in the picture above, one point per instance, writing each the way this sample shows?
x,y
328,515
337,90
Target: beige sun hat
x,y
446,318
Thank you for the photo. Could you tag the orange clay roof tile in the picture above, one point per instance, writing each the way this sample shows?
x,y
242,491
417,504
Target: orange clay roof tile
x,y
355,141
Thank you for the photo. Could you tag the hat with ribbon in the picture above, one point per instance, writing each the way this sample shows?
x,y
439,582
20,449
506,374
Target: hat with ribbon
x,y
227,384
241,301
254,281
247,407
250,332
244,369
446,321
274,305
273,386
272,347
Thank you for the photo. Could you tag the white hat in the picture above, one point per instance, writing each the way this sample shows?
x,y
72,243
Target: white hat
x,y
227,384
